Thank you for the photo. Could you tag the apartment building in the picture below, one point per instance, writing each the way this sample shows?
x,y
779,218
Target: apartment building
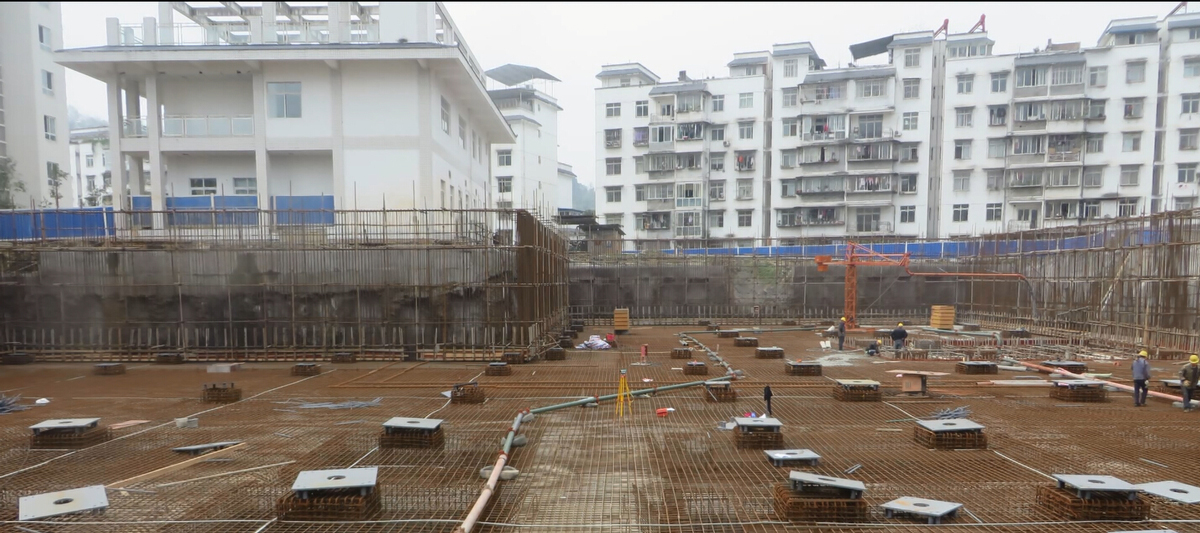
x,y
566,186
383,106
90,170
944,139
33,102
525,173
682,163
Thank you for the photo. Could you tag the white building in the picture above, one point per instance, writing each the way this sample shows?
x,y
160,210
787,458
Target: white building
x,y
33,101
525,174
384,106
90,171
945,139
566,186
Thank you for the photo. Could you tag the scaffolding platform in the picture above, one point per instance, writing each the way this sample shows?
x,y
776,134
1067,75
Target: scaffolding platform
x,y
857,390
745,341
221,393
306,369
498,369
464,393
401,432
1078,390
695,368
719,391
976,367
801,368
108,369
951,434
768,352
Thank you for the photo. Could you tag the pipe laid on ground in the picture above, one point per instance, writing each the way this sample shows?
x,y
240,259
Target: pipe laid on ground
x,y
501,460
1071,375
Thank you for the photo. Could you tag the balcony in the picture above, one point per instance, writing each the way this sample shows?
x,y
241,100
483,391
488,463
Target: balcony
x,y
881,135
656,118
837,187
873,152
665,204
1063,157
875,228
134,127
871,184
824,221
823,136
236,33
662,146
208,126
1018,183
1021,225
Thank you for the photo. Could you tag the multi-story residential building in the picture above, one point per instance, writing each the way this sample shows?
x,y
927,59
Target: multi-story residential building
x,y
1178,119
33,102
525,174
384,106
566,186
90,170
694,172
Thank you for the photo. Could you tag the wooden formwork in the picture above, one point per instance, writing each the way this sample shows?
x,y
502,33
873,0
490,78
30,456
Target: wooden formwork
x,y
498,370
57,439
768,353
556,354
1067,505
108,370
758,440
1079,394
330,505
221,394
169,359
950,440
962,368
343,357
463,395
857,394
719,394
801,507
803,370
745,341
681,353
306,370
695,370
411,438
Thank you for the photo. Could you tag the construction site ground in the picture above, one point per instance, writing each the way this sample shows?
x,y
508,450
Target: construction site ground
x,y
583,469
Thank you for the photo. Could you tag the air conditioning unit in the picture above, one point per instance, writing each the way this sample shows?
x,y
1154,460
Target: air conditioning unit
x,y
727,144
896,133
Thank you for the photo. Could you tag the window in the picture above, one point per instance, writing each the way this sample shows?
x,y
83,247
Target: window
x,y
908,214
910,121
641,108
1135,72
612,166
1095,143
1063,177
1095,109
1031,77
283,99
997,115
791,68
612,110
1191,103
962,149
1191,68
1129,175
752,70
203,186
745,189
716,162
1131,142
1098,76
245,186
745,130
446,128
1187,139
962,116
44,37
994,212
47,82
908,183
1029,145
746,100
999,82
504,158
1187,172
1091,209
995,179
961,212
870,126
718,102
962,180
504,204
829,92
1127,207
716,190
1030,112
612,195
614,218
912,57
910,153
1194,34
1067,75
626,82
870,88
996,148
718,134
744,217
789,97
787,158
503,183
791,127
912,88
966,84
48,127
1093,176
1133,107
716,219
462,132
90,160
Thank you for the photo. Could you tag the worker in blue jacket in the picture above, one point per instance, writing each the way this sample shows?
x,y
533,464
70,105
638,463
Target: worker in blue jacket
x,y
1141,375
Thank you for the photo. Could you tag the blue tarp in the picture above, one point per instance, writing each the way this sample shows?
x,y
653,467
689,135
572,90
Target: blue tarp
x,y
306,210
56,223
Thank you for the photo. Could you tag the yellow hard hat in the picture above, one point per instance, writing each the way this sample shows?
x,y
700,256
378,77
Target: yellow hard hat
x,y
1195,359
1143,353
843,319
900,324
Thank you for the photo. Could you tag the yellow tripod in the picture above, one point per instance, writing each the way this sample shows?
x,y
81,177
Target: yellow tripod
x,y
624,396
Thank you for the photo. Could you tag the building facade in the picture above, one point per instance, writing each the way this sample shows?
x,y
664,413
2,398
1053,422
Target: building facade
x,y
90,172
525,173
944,139
33,103
386,106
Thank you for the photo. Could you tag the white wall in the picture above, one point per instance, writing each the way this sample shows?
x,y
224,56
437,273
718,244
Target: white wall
x,y
224,167
298,174
315,99
375,178
380,98
223,95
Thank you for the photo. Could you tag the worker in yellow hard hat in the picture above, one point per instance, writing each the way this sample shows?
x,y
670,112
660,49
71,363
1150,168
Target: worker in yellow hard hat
x,y
1141,375
1190,377
841,333
899,336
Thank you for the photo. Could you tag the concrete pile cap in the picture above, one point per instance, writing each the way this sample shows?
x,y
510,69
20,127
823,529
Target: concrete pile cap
x,y
792,455
758,422
950,424
343,478
824,481
65,423
1172,490
63,502
857,382
413,423
921,506
1095,483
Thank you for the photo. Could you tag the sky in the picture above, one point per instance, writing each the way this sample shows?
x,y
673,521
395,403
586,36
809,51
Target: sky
x,y
571,40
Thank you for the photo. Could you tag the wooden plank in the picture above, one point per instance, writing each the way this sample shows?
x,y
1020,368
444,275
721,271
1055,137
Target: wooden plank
x,y
177,466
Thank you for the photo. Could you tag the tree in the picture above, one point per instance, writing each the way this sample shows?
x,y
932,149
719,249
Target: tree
x,y
55,181
9,183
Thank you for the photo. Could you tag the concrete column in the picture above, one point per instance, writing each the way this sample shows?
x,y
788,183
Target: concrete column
x,y
262,159
407,20
115,156
157,187
149,31
256,35
166,23
339,159
339,22
112,26
269,12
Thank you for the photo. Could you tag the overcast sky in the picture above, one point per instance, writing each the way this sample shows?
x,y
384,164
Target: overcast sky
x,y
571,40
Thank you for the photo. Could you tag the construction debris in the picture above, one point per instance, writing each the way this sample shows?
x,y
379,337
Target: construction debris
x,y
11,404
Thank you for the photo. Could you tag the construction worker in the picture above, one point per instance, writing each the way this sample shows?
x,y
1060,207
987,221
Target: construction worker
x,y
1141,374
873,349
841,333
767,398
1190,377
899,336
